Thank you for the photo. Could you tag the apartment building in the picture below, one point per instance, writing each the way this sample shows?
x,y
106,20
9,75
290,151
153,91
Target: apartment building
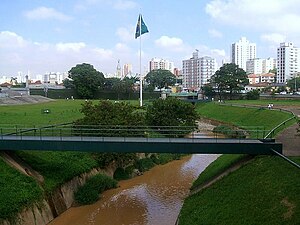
x,y
157,63
242,51
260,66
287,61
197,71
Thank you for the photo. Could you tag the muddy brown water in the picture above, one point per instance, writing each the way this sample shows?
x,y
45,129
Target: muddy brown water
x,y
155,198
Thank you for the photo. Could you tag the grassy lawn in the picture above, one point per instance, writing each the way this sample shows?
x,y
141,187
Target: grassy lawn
x,y
250,118
265,102
16,190
265,191
61,111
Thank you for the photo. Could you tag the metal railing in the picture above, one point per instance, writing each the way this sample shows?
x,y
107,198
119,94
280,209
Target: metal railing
x,y
71,130
272,132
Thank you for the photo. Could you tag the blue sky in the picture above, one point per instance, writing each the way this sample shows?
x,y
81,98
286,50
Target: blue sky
x,y
53,36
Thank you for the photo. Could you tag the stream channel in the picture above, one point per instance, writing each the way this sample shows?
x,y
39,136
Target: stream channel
x,y
155,198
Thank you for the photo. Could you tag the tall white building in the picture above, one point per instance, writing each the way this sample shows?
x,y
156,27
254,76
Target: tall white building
x,y
127,70
156,63
287,62
197,72
242,51
260,66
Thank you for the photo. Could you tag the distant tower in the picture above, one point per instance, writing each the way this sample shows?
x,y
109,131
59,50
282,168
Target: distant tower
x,y
119,71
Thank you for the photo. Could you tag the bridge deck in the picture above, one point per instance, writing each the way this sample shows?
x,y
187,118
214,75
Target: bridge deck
x,y
139,144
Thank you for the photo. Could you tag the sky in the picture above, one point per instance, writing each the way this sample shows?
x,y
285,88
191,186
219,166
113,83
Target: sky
x,y
42,36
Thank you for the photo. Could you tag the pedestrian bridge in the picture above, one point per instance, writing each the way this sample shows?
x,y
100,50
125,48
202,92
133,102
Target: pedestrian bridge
x,y
135,139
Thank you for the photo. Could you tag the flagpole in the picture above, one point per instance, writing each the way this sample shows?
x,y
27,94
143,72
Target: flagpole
x,y
141,79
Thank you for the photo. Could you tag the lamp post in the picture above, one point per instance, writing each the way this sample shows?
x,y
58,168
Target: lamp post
x,y
295,77
295,90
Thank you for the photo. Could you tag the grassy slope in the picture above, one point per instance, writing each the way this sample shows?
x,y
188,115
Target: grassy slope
x,y
56,167
216,167
258,193
242,198
291,102
16,190
242,116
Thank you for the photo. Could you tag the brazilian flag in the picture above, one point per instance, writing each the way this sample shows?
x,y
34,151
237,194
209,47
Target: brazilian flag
x,y
141,27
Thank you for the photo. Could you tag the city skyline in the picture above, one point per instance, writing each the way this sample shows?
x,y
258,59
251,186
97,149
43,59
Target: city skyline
x,y
54,36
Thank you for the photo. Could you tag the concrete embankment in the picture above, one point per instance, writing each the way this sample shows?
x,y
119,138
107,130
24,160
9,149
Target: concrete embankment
x,y
57,202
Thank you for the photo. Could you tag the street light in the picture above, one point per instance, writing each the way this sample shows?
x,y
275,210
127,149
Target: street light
x,y
295,78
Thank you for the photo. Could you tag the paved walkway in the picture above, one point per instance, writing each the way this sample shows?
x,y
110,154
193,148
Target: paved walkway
x,y
289,137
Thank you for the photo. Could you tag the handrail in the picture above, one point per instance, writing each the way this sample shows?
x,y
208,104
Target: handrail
x,y
286,158
279,125
278,109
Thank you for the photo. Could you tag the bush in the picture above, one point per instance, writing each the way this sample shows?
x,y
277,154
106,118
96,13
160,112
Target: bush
x,y
89,192
164,158
173,113
252,95
229,132
144,164
122,174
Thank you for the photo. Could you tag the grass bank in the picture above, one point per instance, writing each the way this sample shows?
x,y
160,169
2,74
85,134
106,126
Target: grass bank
x,y
265,191
265,102
19,191
16,190
250,118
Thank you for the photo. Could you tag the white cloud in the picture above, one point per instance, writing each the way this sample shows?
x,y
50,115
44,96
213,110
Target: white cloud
x,y
124,5
103,53
44,13
170,43
215,33
273,38
76,47
117,5
268,15
20,54
218,52
122,47
11,40
125,34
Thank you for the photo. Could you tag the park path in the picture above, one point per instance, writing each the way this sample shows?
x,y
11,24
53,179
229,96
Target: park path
x,y
289,137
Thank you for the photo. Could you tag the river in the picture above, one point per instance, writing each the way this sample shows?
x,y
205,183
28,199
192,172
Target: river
x,y
155,198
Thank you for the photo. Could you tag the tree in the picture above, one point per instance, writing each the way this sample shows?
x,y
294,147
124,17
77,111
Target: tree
x,y
118,85
68,83
252,95
86,80
109,114
208,91
171,112
229,78
160,78
294,82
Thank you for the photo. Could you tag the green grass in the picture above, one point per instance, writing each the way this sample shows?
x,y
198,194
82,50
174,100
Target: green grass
x,y
265,191
94,186
217,167
61,111
253,118
16,190
265,102
261,192
58,167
